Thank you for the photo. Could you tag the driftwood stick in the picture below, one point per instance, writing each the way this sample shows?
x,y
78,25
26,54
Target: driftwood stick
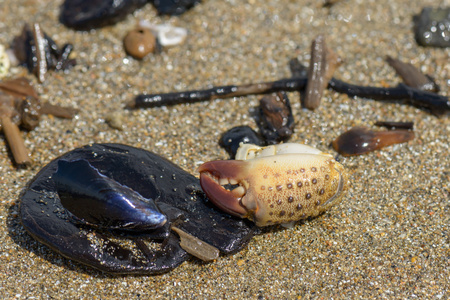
x,y
15,141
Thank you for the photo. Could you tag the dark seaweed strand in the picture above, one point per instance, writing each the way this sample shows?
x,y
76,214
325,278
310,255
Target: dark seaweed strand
x,y
155,100
437,104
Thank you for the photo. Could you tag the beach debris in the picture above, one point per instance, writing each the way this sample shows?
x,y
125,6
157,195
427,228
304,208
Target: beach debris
x,y
278,184
11,131
166,34
20,106
395,125
79,206
196,246
412,77
174,7
115,120
432,102
275,119
139,42
91,14
4,62
361,140
234,137
39,53
432,27
321,68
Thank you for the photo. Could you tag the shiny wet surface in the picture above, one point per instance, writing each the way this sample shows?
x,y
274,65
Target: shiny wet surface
x,y
388,238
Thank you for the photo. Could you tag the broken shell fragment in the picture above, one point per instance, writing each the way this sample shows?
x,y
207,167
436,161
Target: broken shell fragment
x,y
195,246
361,140
166,34
139,42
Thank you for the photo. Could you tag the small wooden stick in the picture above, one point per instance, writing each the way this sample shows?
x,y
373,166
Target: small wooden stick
x,y
15,141
58,111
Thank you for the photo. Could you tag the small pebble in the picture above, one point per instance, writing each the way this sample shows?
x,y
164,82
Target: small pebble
x,y
432,27
139,42
115,120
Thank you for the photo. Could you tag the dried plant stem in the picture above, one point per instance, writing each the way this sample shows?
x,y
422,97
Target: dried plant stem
x,y
15,141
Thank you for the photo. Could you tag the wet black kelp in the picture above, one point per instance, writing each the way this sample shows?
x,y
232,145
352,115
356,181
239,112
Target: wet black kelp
x,y
90,14
174,193
436,104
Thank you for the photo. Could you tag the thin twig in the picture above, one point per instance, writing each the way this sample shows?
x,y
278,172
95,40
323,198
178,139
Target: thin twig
x,y
437,104
15,141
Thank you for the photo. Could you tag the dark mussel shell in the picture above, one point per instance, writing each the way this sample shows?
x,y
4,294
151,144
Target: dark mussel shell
x,y
176,193
89,14
95,199
232,138
361,140
173,7
275,120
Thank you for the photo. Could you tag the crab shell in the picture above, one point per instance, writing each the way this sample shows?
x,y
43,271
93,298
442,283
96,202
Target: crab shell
x,y
275,187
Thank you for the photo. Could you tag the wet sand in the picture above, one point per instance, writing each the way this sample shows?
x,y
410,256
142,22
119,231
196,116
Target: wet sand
x,y
389,238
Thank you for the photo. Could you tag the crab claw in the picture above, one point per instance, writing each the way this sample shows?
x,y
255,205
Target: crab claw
x,y
275,189
215,174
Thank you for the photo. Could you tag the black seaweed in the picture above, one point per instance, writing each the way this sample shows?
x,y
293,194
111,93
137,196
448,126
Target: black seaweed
x,y
91,14
174,7
435,103
175,192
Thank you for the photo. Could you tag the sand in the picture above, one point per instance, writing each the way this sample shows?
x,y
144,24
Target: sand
x,y
389,238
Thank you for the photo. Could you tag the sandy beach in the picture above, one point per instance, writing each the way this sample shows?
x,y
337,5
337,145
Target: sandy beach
x,y
388,239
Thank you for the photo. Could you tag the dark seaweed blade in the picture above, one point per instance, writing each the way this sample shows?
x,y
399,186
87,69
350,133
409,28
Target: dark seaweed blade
x,y
97,200
90,14
179,198
173,7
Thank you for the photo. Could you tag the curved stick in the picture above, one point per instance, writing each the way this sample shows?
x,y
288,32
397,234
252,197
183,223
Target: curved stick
x,y
437,104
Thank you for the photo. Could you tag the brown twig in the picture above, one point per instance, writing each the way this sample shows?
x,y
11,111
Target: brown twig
x,y
15,141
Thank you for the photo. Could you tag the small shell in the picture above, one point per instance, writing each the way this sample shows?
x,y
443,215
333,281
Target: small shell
x,y
361,140
92,198
167,35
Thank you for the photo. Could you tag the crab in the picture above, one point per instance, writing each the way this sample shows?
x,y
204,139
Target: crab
x,y
279,184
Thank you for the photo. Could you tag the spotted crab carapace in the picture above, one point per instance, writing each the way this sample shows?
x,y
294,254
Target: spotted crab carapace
x,y
278,184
